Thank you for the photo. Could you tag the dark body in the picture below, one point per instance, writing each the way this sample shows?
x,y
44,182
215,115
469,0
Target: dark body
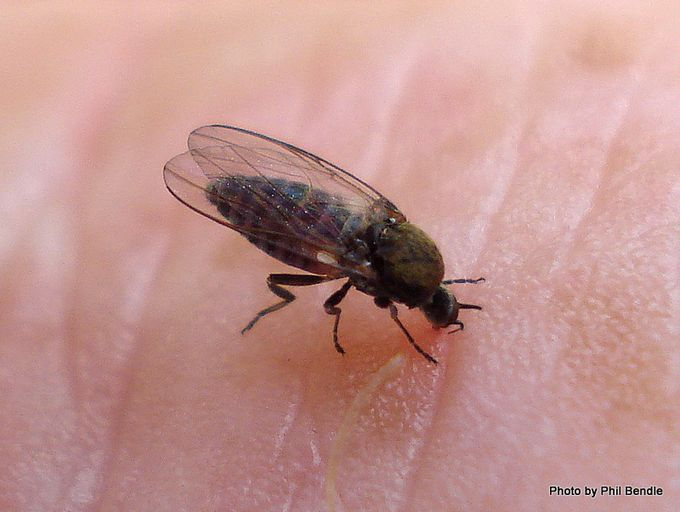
x,y
397,260
311,215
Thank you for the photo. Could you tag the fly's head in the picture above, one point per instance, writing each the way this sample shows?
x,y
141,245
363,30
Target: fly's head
x,y
442,309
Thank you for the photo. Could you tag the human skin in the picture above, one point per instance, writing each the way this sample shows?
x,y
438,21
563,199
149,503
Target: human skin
x,y
538,146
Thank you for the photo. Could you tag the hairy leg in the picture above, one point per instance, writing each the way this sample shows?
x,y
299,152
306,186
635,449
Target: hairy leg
x,y
331,307
276,282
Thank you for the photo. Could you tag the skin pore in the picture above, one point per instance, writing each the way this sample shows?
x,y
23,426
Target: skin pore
x,y
538,147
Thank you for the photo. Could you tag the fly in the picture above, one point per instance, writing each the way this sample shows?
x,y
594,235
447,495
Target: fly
x,y
312,215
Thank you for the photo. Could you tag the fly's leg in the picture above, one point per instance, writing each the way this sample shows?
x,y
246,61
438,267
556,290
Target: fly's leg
x,y
275,282
460,324
464,281
395,317
331,307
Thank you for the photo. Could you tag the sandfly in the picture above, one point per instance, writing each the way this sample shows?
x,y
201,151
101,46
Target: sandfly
x,y
312,215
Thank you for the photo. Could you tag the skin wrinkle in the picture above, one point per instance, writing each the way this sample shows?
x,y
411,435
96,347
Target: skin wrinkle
x,y
286,426
586,212
72,352
350,417
501,193
500,210
581,225
143,267
599,193
414,477
78,343
71,366
43,318
616,316
375,155
585,221
117,423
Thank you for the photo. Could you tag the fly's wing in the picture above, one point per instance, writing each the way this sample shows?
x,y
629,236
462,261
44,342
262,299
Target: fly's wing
x,y
292,200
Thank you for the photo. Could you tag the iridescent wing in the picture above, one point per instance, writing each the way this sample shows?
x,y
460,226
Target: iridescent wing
x,y
281,198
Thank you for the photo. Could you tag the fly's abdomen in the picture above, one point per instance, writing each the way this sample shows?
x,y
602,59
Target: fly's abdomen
x,y
286,219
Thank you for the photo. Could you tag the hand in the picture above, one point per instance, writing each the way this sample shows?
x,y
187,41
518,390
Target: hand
x,y
539,149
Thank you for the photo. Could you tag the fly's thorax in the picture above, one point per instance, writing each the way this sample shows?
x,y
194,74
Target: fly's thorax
x,y
409,266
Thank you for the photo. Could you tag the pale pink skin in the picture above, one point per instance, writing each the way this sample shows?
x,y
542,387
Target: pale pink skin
x,y
539,147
